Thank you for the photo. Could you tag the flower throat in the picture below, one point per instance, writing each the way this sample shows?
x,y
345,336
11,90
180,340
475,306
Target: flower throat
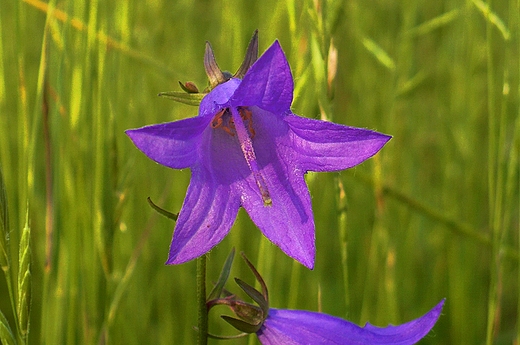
x,y
236,123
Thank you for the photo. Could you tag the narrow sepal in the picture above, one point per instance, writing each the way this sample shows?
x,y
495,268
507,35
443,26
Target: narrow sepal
x,y
183,97
214,73
162,211
254,294
250,58
258,277
241,325
222,279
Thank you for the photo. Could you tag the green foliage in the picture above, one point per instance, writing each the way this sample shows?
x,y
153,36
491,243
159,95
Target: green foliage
x,y
435,214
24,279
6,336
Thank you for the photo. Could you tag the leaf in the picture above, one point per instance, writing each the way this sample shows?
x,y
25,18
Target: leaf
x,y
6,335
24,278
379,53
4,227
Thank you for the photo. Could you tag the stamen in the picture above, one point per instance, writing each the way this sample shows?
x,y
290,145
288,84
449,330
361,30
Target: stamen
x,y
247,116
217,120
228,124
249,153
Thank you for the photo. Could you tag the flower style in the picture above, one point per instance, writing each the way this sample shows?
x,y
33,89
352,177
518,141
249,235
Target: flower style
x,y
246,148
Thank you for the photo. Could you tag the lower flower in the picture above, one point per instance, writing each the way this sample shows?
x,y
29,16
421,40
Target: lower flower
x,y
300,327
297,327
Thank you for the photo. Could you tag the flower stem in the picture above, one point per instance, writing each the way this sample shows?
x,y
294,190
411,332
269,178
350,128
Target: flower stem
x,y
202,338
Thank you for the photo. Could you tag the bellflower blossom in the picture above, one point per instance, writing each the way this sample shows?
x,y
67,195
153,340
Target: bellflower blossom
x,y
246,148
297,327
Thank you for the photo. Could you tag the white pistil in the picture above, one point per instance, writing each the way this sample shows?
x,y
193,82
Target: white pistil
x,y
249,154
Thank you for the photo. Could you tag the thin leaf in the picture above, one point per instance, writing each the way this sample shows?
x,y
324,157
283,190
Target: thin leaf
x,y
6,335
4,227
493,18
24,278
381,55
435,23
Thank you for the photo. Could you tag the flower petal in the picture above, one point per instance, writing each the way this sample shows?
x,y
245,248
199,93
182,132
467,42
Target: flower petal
x,y
268,84
288,222
327,146
220,95
294,327
173,144
206,217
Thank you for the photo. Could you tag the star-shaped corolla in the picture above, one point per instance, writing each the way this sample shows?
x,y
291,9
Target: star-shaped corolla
x,y
246,148
296,327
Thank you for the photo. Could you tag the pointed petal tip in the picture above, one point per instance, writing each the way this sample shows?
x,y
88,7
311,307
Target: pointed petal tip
x,y
440,305
309,265
309,260
306,260
132,133
178,258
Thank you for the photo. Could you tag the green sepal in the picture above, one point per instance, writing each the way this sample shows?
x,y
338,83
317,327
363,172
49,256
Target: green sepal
x,y
6,335
214,73
162,211
222,279
183,97
248,312
241,325
255,295
227,337
258,277
250,58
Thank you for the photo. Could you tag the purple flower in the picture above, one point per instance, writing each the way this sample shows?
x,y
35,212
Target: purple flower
x,y
288,327
297,327
246,148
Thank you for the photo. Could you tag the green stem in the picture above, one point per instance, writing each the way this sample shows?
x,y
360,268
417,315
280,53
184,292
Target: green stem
x,y
202,338
492,188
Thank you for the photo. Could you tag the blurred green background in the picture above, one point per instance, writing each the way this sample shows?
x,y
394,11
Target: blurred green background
x,y
434,215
